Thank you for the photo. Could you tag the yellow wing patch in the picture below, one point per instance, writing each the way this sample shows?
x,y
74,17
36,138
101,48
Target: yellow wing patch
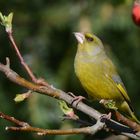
x,y
120,87
123,92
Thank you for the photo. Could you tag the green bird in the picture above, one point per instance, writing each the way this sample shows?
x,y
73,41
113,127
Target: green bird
x,y
98,75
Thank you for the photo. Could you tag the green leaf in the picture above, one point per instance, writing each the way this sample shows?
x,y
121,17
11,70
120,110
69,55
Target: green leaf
x,y
7,21
21,97
67,110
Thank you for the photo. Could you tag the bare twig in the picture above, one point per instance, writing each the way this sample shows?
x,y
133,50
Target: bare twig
x,y
27,68
10,35
23,126
84,130
13,120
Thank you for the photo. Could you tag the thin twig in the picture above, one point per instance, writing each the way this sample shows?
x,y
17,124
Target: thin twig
x,y
13,120
85,130
23,126
40,131
27,68
10,35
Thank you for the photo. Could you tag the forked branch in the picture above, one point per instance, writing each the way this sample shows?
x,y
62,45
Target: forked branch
x,y
59,94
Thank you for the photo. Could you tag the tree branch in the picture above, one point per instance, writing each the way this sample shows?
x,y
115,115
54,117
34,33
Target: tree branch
x,y
59,94
23,126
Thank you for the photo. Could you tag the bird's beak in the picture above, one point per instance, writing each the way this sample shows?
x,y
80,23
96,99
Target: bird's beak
x,y
80,37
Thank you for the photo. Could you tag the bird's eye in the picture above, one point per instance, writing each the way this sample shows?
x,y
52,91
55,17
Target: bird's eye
x,y
90,39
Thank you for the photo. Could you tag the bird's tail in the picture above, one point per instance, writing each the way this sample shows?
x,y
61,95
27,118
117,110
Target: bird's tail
x,y
134,118
127,109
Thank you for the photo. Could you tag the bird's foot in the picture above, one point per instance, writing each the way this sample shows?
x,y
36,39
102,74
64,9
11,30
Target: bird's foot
x,y
109,104
105,117
76,99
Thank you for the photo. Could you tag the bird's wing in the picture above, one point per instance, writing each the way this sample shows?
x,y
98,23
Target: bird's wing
x,y
116,78
111,73
121,87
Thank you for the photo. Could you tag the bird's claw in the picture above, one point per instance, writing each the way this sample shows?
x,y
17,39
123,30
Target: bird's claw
x,y
76,99
105,117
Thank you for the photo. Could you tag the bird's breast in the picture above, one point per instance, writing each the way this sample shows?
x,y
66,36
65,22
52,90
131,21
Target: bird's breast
x,y
93,79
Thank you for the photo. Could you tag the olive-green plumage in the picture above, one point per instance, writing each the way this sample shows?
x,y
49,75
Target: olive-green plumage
x,y
98,74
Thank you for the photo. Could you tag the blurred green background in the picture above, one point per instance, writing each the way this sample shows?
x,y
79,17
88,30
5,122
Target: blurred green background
x,y
43,30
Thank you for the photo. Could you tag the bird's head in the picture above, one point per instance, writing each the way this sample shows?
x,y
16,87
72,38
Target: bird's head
x,y
88,43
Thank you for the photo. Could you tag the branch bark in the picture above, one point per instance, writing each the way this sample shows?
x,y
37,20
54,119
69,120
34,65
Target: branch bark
x,y
23,126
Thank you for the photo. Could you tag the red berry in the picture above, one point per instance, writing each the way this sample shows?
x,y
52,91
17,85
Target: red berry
x,y
136,12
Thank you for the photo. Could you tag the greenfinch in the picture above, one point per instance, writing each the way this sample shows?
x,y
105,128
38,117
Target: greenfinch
x,y
98,75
